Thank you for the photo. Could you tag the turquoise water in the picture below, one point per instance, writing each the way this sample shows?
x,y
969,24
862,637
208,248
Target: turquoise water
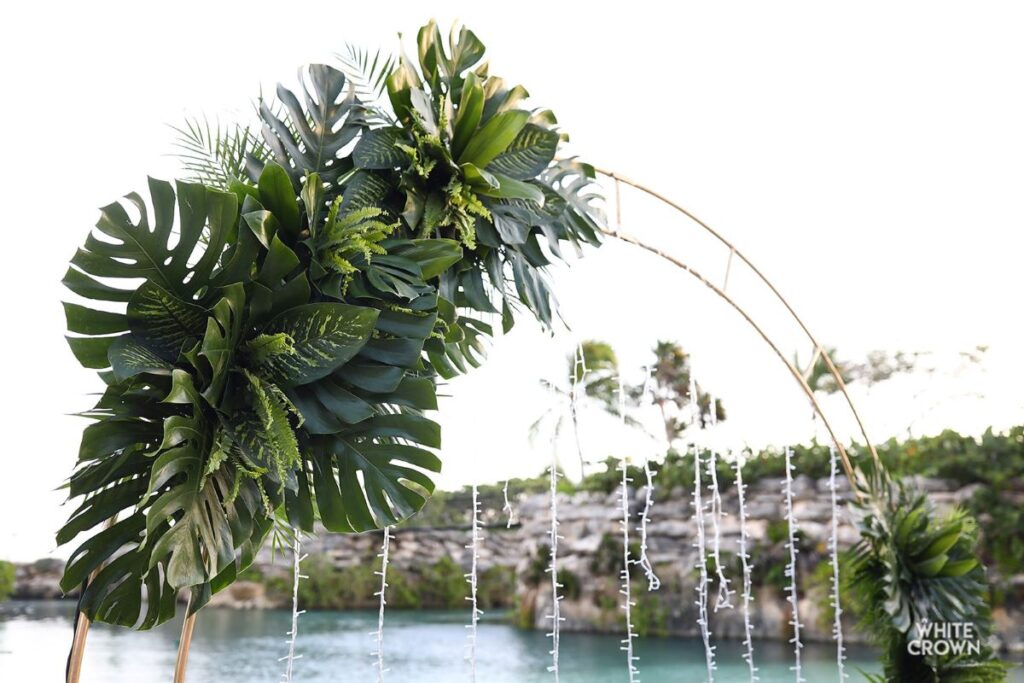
x,y
422,647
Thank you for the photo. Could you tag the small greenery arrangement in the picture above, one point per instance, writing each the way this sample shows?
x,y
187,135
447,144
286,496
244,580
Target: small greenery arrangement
x,y
913,568
271,334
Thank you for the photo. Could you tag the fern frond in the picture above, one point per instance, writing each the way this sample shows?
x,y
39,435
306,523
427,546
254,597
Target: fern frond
x,y
353,235
264,346
272,408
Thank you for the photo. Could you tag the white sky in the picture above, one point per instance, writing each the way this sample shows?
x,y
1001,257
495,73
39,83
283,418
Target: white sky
x,y
867,157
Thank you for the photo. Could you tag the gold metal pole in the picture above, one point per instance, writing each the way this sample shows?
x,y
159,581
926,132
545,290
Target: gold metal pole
x,y
828,360
187,627
797,375
78,648
82,623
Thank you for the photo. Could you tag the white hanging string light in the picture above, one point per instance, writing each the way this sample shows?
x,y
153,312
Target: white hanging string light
x,y
293,634
474,548
701,544
791,572
833,546
653,582
509,511
555,616
382,601
746,597
579,371
627,598
723,598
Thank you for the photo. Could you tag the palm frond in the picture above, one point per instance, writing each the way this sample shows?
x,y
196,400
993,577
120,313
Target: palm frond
x,y
214,155
368,72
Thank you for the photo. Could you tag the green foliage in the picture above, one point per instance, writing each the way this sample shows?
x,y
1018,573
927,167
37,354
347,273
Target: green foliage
x,y
912,567
215,156
650,614
496,586
7,578
351,239
473,166
878,366
271,335
608,560
572,587
443,584
537,569
330,587
996,461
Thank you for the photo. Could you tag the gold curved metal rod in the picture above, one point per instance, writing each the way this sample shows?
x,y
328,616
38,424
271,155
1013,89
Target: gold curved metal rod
x,y
797,375
187,628
818,347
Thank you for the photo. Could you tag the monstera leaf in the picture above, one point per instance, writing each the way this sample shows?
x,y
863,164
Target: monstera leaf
x,y
167,254
364,480
308,136
177,265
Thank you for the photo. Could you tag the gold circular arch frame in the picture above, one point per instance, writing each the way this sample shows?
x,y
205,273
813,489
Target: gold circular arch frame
x,y
820,352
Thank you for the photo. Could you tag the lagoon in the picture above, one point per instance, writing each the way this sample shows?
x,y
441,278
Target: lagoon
x,y
423,647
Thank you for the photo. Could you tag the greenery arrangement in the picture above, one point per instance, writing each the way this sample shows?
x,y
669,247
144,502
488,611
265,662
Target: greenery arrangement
x,y
912,568
271,334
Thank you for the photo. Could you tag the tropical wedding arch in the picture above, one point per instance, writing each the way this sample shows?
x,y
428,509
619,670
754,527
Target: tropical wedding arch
x,y
270,334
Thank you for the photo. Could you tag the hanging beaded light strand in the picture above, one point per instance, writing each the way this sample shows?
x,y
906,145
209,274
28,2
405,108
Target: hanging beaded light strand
x,y
723,599
833,547
791,569
510,513
476,539
382,601
293,634
627,598
701,544
746,597
653,582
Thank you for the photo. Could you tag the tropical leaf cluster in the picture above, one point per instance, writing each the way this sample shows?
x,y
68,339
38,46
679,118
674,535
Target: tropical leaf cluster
x,y
913,567
271,332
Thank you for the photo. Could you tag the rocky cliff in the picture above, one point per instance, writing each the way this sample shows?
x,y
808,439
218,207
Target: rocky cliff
x,y
590,562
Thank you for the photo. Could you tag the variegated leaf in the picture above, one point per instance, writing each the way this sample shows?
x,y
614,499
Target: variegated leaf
x,y
324,337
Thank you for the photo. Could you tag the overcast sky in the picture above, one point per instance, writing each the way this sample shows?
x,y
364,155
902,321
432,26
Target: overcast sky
x,y
867,157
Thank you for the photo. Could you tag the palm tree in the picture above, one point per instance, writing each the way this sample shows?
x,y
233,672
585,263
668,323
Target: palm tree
x,y
670,390
591,380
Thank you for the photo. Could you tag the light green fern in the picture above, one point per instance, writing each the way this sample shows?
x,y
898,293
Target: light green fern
x,y
264,346
279,444
351,239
